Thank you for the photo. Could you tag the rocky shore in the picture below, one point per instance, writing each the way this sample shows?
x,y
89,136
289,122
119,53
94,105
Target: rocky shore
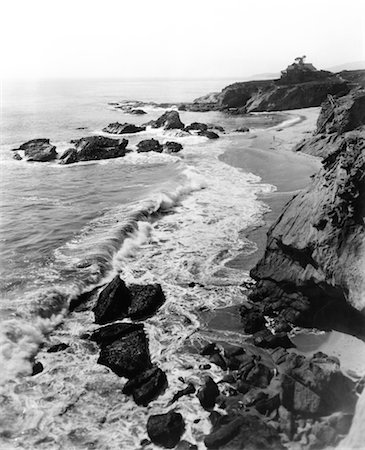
x,y
269,396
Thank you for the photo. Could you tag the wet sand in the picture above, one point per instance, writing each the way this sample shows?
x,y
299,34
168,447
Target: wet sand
x,y
268,154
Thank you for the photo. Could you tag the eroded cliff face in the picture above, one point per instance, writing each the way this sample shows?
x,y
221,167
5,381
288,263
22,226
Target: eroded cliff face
x,y
313,270
283,94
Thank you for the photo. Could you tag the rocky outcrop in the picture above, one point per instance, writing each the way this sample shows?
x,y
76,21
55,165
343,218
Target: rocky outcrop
x,y
166,430
40,150
122,128
94,148
149,145
294,90
169,120
312,270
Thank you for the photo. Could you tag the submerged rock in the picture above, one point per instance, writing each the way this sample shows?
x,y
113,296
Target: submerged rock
x,y
172,147
40,150
58,347
242,130
138,112
123,128
124,349
146,386
166,429
149,145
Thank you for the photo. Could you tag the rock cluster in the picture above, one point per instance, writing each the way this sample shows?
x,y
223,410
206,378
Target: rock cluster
x,y
40,150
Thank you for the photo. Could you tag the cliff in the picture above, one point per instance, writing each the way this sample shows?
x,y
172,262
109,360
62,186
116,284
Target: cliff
x,y
294,90
312,273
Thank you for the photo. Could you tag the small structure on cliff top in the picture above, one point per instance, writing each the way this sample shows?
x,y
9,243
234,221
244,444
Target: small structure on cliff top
x,y
301,72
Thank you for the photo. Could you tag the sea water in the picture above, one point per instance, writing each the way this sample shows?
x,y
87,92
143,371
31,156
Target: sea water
x,y
154,218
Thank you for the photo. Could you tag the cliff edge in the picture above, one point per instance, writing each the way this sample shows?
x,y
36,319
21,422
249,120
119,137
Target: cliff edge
x,y
313,270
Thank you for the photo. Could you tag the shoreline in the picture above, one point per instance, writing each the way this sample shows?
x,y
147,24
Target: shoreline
x,y
266,143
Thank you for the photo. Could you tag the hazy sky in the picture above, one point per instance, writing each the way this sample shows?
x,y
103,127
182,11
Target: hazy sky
x,y
167,38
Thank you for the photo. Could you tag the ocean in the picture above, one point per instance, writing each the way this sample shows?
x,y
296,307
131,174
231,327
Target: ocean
x,y
177,220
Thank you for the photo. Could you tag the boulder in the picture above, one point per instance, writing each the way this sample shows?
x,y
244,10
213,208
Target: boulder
x,y
113,302
145,300
39,150
123,128
234,432
149,145
196,126
69,156
99,147
17,156
242,130
37,368
172,147
209,134
208,394
169,120
266,339
124,349
166,430
316,386
146,386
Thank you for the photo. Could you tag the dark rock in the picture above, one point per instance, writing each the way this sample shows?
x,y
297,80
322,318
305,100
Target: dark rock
x,y
266,339
204,366
99,147
39,150
145,300
185,445
124,349
37,368
113,302
217,359
137,112
166,429
58,347
196,126
260,375
123,128
209,134
190,389
172,147
209,349
17,156
82,301
149,145
242,130
234,432
212,126
208,394
146,386
69,156
252,319
169,120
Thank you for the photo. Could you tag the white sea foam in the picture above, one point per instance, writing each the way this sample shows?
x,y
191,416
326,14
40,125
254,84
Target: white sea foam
x,y
171,238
